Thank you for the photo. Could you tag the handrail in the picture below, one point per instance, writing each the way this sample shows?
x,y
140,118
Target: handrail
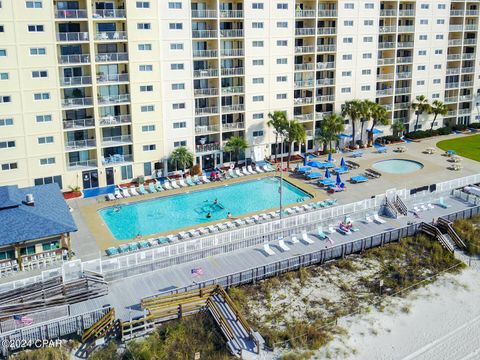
x,y
392,208
451,231
401,206
435,232
102,325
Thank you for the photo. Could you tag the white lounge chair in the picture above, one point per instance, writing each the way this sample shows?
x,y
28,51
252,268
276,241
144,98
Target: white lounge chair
x,y
110,197
250,221
183,235
125,192
249,168
430,206
193,233
182,183
239,222
133,191
205,179
424,207
289,211
294,240
245,171
268,250
307,207
377,219
238,172
158,186
274,214
174,184
221,227
368,219
167,185
203,231
417,209
266,168
118,194
297,209
230,225
172,237
331,229
305,238
212,228
283,246
259,170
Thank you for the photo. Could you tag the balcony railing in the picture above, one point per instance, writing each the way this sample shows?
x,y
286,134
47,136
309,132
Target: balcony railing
x,y
232,52
408,13
232,90
305,31
109,14
304,83
468,70
465,97
327,31
78,123
204,34
117,159
404,75
456,12
453,71
77,102
206,129
466,84
205,73
401,91
72,36
388,76
454,56
233,126
303,100
471,27
325,82
456,27
388,107
386,61
451,99
304,67
113,99
402,106
79,165
303,117
309,133
464,111
207,110
405,44
231,14
207,147
325,65
231,33
325,98
233,108
76,80
206,92
406,28
109,78
111,57
388,12
468,56
304,49
386,45
326,48
80,144
114,140
472,12
322,114
451,112
305,13
74,59
205,53
327,13
388,29
404,60
469,41
455,42
115,120
384,92
71,14
204,14
232,71
111,35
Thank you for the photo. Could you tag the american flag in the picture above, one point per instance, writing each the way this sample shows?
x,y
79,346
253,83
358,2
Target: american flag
x,y
22,320
197,271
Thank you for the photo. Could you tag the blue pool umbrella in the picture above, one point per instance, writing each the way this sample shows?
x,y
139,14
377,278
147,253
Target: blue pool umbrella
x,y
304,169
345,136
342,163
327,174
339,181
330,158
377,131
305,160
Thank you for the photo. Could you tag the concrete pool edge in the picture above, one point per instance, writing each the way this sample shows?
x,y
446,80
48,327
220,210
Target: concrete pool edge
x,y
396,160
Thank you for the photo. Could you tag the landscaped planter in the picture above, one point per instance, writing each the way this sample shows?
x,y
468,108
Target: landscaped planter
x,y
72,195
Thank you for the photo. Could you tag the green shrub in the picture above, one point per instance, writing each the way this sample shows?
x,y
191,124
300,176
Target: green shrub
x,y
474,125
445,131
459,127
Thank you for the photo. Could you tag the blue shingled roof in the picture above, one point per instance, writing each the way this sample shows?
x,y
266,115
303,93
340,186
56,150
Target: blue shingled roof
x,y
19,222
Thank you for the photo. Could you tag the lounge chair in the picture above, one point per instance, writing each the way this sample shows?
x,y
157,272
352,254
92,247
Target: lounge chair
x,y
424,207
442,203
358,179
256,218
307,207
197,180
289,211
417,209
174,184
183,235
249,168
382,150
331,229
232,174
250,221
141,189
321,234
171,237
151,188
268,250
239,222
133,191
192,233
341,170
159,186
378,220
326,182
356,154
238,172
297,209
110,197
166,185
306,239
125,192
259,170
212,228
267,168
245,171
133,246
189,181
182,183
143,244
294,240
221,227
118,194
203,231
368,219
112,251
123,248
274,214
283,246
205,179
154,242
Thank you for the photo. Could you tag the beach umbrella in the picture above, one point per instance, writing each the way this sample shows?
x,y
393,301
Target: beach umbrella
x,y
339,181
327,174
305,160
342,163
330,158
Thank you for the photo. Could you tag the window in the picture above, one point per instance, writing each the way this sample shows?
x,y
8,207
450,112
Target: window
x,y
7,255
348,40
3,52
437,66
5,99
367,55
39,74
176,46
257,116
441,6
420,82
440,21
369,6
33,4
348,23
422,52
258,80
175,26
282,6
148,128
424,6
36,51
438,52
178,106
145,67
28,250
143,5
41,96
177,66
180,143
144,47
282,78
282,96
282,43
7,144
4,76
423,22
178,86
151,147
51,246
147,169
347,57
437,81
258,133
368,39
146,88
49,180
257,6
421,67
257,25
258,98
127,172
349,6
9,166
180,125
282,24
368,22
346,90
257,43
439,37
47,161
258,62
147,108
43,118
282,61
175,5
436,96
2,29
365,88
423,37
35,28
346,73
6,122
366,72
45,140
144,26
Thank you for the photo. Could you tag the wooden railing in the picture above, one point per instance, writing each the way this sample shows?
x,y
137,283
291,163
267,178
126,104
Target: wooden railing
x,y
436,233
101,327
447,225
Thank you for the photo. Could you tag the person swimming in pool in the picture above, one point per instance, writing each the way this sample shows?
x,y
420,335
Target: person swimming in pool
x,y
209,215
216,201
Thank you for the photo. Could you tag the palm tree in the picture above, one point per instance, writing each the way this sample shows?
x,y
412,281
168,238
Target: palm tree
x,y
438,108
295,133
398,127
236,144
330,127
182,157
366,108
352,109
277,120
379,117
420,106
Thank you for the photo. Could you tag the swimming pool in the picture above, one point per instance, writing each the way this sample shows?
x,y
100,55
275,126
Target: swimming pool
x,y
398,166
190,209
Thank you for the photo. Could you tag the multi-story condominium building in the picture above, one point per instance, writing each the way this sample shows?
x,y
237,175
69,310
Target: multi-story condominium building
x,y
94,93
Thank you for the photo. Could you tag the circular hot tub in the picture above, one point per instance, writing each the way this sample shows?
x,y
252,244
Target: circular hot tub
x,y
398,166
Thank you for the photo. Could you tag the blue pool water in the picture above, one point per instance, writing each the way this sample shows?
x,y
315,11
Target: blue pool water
x,y
398,166
190,209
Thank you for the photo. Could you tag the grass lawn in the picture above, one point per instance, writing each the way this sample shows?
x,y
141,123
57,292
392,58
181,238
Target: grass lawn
x,y
468,146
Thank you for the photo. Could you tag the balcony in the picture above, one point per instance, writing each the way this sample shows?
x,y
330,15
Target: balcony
x,y
325,65
77,102
326,31
403,90
78,124
325,98
405,44
468,70
233,108
227,90
454,56
309,133
466,84
305,67
207,147
468,56
407,13
304,84
451,113
109,141
206,129
205,92
404,29
464,111
210,34
386,45
111,57
451,100
388,29
325,82
305,13
74,59
326,48
321,115
82,165
205,73
204,14
80,144
76,81
305,31
455,42
112,78
108,14
117,159
404,75
387,76
231,52
471,12
454,71
231,33
404,60
205,53
113,99
207,110
388,12
388,107
72,36
456,27
470,27
115,120
233,126
386,61
327,13
111,35
402,106
385,92
303,100
303,117
469,41
456,12
71,14
304,49
231,14
232,71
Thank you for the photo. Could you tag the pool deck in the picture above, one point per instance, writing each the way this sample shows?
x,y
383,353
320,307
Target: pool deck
x,y
94,236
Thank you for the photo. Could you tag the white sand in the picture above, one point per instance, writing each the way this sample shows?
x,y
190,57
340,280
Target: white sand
x,y
443,324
